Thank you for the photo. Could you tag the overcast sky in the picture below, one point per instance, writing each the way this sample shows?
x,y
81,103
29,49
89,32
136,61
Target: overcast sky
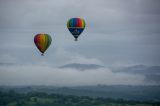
x,y
117,33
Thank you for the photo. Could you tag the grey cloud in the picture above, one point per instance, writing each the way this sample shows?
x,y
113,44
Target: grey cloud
x,y
118,32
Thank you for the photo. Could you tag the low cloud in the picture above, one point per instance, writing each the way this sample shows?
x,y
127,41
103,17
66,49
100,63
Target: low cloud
x,y
47,75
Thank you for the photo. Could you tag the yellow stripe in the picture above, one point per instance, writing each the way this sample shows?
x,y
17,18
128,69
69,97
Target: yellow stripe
x,y
43,42
46,40
83,23
68,23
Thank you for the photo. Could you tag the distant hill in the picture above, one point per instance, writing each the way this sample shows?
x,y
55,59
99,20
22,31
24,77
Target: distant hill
x,y
7,64
152,73
82,67
140,69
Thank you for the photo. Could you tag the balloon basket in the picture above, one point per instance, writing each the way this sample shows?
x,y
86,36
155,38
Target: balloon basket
x,y
75,39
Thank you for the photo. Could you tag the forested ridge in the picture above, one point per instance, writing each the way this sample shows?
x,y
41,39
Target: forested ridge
x,y
13,98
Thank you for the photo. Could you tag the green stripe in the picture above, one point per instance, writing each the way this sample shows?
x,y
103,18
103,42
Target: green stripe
x,y
48,41
45,44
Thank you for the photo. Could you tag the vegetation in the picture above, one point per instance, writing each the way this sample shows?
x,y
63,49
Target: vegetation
x,y
13,98
126,92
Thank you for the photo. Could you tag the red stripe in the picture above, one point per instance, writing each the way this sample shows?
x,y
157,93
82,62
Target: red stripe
x,y
37,40
80,22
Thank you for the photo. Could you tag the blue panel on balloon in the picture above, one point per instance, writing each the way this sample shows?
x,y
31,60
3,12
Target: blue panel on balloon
x,y
76,31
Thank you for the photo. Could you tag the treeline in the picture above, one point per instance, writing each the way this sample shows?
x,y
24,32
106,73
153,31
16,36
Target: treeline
x,y
12,98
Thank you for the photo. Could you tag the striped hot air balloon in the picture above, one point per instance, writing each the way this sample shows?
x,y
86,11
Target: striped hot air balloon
x,y
42,41
76,26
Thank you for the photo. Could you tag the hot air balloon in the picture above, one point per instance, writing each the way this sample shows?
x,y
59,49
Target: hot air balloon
x,y
76,26
42,41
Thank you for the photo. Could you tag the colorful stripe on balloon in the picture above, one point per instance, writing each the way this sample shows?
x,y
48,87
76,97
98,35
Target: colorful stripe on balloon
x,y
76,23
42,41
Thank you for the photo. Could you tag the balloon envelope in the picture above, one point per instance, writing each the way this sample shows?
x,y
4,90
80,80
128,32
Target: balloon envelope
x,y
42,41
76,26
